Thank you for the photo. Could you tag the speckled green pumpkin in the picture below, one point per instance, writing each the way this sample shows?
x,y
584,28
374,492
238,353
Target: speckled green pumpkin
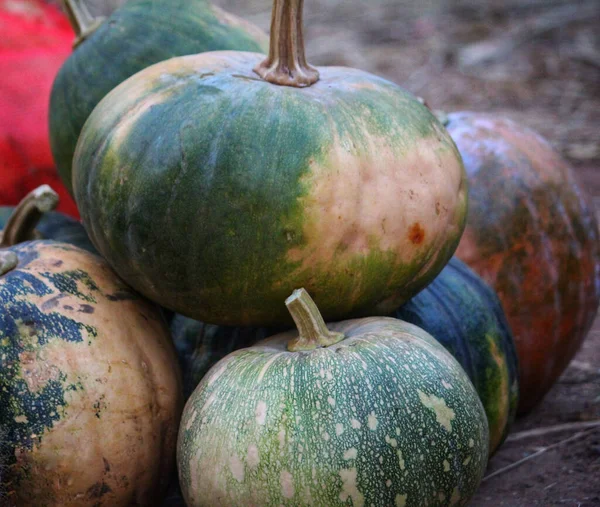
x,y
216,193
138,34
458,309
56,226
384,417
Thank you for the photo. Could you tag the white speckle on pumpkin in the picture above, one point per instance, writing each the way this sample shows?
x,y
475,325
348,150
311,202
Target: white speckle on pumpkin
x,y
401,500
351,453
339,429
446,466
446,384
467,461
287,484
355,424
372,421
237,468
392,441
349,488
266,366
444,415
325,436
318,405
388,483
21,419
281,438
401,460
190,420
261,412
252,458
331,401
471,442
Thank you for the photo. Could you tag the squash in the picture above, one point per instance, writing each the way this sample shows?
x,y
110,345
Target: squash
x,y
89,382
533,236
458,309
138,34
372,410
36,40
56,226
214,191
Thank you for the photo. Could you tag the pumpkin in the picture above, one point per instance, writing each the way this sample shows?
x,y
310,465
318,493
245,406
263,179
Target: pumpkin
x,y
533,236
214,191
36,40
89,384
138,34
56,226
371,410
458,309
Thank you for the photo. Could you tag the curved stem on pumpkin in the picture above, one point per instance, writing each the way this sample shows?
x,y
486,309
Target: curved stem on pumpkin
x,y
81,20
312,329
21,224
286,64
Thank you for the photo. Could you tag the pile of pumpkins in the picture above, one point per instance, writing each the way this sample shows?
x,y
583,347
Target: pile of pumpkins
x,y
232,203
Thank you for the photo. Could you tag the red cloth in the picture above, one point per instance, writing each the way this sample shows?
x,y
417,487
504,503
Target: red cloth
x,y
36,39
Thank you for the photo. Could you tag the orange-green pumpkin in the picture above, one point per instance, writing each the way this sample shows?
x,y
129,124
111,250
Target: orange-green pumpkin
x,y
370,411
533,236
138,34
89,382
214,184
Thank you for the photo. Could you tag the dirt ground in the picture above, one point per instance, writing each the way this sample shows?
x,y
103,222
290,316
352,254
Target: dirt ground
x,y
538,62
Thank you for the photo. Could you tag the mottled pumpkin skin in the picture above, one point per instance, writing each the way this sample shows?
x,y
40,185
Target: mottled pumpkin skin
x,y
139,34
56,226
533,236
216,193
458,309
464,314
89,384
384,417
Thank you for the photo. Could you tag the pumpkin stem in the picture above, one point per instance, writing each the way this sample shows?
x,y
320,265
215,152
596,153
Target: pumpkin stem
x,y
8,261
286,64
81,20
312,329
21,224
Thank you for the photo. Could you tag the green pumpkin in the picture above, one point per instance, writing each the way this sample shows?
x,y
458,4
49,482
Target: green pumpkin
x,y
81,355
56,226
215,191
458,309
372,411
138,34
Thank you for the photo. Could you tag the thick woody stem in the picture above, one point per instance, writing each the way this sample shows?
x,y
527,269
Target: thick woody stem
x,y
286,64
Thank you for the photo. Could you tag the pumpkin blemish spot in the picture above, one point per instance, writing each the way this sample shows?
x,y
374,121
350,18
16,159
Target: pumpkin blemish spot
x,y
416,233
443,413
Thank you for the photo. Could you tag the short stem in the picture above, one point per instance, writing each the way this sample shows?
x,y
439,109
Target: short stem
x,y
81,20
21,224
8,261
312,330
286,64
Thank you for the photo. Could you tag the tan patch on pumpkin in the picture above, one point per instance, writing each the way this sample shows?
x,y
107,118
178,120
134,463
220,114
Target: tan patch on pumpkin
x,y
361,201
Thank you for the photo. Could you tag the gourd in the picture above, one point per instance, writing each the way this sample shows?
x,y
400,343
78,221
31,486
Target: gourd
x,y
372,411
458,309
56,226
89,382
36,40
216,183
138,34
533,236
